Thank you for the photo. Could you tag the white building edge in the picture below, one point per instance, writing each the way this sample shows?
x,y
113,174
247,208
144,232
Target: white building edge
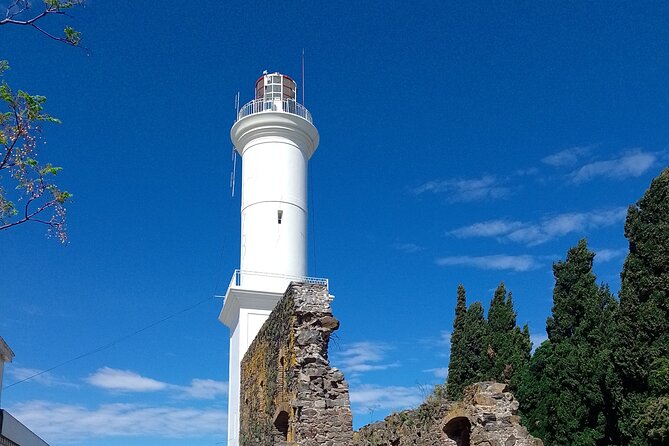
x,y
12,431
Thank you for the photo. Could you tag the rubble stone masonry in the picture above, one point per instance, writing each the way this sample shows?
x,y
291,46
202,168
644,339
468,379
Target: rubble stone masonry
x,y
289,393
291,396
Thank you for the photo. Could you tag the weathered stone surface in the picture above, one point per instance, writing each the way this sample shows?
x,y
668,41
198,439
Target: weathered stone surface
x,y
487,416
289,393
291,396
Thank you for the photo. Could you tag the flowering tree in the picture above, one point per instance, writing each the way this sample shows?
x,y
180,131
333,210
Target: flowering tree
x,y
35,196
27,188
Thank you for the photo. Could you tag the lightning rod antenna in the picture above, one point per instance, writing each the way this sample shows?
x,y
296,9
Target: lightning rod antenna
x,y
233,174
303,78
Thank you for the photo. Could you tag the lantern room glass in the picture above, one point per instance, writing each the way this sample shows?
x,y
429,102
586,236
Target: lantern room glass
x,y
276,86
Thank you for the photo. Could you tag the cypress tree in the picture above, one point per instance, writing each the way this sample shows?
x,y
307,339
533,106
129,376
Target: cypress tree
x,y
565,396
642,338
468,363
456,364
508,348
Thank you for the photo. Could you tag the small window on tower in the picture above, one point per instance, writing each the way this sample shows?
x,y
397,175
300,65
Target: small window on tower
x,y
279,216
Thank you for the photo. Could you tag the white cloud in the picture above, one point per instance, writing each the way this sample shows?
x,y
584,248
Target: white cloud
x,y
36,376
607,255
519,263
69,423
439,372
364,356
537,339
549,228
124,381
491,228
632,164
408,248
567,157
466,189
129,381
370,397
204,389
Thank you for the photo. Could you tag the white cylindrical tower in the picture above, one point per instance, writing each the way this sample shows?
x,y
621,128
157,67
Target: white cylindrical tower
x,y
275,137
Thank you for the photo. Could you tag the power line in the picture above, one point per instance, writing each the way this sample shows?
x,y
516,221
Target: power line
x,y
112,343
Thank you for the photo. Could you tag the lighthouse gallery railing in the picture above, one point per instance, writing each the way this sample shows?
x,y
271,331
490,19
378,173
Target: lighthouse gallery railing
x,y
238,275
281,105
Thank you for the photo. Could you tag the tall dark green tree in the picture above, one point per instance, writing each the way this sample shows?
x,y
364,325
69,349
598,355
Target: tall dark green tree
x,y
468,362
509,347
565,396
642,338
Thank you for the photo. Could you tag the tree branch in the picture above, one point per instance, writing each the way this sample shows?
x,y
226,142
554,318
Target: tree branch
x,y
71,37
29,217
10,19
65,40
19,131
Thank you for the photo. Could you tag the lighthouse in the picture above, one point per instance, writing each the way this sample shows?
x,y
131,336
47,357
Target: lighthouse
x,y
275,137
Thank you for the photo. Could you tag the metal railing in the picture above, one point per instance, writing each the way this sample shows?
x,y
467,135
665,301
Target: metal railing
x,y
281,105
236,280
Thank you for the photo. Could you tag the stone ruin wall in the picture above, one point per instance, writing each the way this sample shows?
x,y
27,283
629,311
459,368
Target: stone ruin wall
x,y
291,396
289,393
487,416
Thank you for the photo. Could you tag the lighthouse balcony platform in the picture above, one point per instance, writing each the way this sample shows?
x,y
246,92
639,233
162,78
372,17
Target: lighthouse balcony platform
x,y
274,105
259,281
258,291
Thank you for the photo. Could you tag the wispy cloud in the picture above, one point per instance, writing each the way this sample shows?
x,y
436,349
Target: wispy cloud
x,y
408,248
607,255
364,356
537,339
549,228
370,397
129,381
490,228
45,379
68,423
520,263
466,189
439,372
124,381
567,157
204,389
632,164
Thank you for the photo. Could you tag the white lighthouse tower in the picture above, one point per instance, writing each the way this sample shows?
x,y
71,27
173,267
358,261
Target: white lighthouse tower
x,y
275,137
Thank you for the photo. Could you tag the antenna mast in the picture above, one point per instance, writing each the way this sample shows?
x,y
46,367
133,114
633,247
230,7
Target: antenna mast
x,y
233,174
303,78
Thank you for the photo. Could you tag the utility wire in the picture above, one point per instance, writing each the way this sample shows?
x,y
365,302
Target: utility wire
x,y
112,343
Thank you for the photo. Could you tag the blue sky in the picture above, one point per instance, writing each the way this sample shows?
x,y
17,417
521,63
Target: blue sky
x,y
467,142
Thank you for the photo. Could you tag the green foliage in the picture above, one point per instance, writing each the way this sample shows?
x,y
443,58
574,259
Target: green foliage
x,y
481,350
653,422
566,394
509,347
34,196
468,362
642,325
72,36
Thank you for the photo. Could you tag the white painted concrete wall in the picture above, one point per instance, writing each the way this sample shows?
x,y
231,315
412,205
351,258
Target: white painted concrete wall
x,y
275,149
